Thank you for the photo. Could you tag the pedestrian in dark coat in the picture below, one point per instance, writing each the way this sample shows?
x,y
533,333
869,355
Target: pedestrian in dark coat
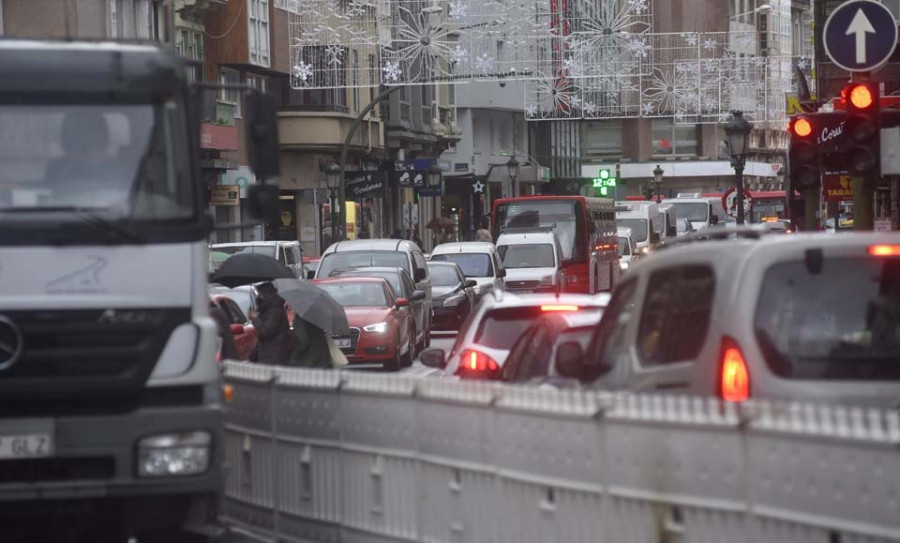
x,y
310,346
276,343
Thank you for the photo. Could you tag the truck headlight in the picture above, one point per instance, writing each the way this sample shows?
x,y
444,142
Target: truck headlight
x,y
378,327
174,455
623,264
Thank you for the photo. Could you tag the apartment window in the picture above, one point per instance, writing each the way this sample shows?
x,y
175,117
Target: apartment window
x,y
330,74
189,44
258,33
670,139
258,82
227,76
603,139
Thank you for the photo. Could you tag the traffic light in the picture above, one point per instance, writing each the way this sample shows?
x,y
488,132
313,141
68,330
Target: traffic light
x,y
804,156
863,127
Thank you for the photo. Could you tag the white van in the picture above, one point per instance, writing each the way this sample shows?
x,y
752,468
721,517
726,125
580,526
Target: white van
x,y
628,252
645,221
699,212
532,260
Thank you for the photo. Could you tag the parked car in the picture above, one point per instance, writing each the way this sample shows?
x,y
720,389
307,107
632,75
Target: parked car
x,y
286,252
628,252
807,317
403,287
382,252
242,329
484,340
532,260
478,261
381,324
453,295
532,358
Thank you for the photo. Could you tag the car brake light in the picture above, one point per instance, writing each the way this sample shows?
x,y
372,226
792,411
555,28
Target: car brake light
x,y
735,379
559,307
884,250
477,362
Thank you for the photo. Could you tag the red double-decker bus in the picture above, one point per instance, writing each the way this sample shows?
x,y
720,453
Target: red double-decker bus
x,y
585,227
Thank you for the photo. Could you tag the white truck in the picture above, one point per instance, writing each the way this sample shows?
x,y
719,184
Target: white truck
x,y
696,212
645,221
111,403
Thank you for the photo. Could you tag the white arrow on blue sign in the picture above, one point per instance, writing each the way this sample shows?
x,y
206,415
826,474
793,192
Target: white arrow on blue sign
x,y
860,35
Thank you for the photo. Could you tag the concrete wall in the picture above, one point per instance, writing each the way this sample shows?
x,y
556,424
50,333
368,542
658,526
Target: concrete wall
x,y
491,95
47,18
488,138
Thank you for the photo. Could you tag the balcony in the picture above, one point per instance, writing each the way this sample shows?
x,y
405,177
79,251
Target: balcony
x,y
218,131
309,129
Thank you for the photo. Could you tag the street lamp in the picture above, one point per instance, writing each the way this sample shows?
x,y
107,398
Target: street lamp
x,y
333,177
657,180
434,180
765,8
512,167
738,132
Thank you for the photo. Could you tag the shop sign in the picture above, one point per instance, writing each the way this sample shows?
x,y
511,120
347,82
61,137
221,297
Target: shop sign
x,y
228,195
838,188
364,184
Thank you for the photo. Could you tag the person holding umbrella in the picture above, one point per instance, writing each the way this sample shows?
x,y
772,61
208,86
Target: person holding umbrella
x,y
276,343
317,317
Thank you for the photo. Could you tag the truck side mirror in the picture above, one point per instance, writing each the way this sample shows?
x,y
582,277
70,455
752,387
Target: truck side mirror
x,y
261,122
714,220
672,231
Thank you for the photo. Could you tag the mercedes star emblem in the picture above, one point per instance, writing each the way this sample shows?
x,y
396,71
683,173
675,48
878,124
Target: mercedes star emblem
x,y
10,343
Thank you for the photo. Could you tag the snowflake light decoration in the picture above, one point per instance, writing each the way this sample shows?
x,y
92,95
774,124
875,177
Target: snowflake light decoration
x,y
639,47
709,45
692,38
421,43
334,55
637,6
484,63
392,71
668,91
457,9
302,72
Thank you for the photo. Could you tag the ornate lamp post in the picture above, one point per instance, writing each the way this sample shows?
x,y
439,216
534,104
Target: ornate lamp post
x,y
737,131
657,180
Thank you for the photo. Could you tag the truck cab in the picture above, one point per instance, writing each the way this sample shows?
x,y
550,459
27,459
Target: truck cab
x,y
109,390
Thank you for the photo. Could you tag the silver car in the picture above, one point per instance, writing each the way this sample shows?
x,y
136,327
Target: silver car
x,y
796,317
484,340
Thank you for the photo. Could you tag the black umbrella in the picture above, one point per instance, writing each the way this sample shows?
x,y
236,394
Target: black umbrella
x,y
248,268
314,305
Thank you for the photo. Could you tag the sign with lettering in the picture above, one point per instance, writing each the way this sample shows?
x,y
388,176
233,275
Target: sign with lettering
x,y
227,195
838,188
364,184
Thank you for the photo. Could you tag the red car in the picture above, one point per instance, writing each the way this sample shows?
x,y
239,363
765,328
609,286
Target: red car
x,y
381,325
243,331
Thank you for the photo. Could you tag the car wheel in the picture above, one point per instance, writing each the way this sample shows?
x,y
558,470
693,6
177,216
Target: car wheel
x,y
394,363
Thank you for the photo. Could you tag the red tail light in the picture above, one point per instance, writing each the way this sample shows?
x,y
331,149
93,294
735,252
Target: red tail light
x,y
735,378
559,307
884,250
478,364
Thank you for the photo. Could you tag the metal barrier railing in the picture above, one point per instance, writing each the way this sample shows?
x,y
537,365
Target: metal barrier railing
x,y
333,456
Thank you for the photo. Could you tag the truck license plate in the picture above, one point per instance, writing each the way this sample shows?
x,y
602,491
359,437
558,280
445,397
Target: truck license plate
x,y
25,446
343,342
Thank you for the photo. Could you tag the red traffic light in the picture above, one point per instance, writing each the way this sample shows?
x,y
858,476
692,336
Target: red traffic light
x,y
802,127
860,96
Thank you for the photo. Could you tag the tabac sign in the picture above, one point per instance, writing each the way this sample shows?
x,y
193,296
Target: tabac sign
x,y
838,188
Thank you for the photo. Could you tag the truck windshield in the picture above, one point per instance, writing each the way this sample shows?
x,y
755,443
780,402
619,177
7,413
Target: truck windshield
x,y
638,227
693,211
113,161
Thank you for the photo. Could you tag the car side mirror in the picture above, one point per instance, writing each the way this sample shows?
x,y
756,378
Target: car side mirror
x,y
433,358
570,360
501,273
471,283
714,220
261,123
310,274
672,231
237,329
421,275
418,295
401,302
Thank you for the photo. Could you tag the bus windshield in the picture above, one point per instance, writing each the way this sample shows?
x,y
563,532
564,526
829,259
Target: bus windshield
x,y
565,217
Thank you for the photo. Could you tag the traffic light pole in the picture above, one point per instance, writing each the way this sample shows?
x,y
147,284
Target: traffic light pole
x,y
811,209
863,203
739,183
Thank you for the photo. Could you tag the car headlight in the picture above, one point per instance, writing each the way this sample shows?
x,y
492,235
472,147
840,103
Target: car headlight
x,y
623,264
455,300
378,327
174,455
645,250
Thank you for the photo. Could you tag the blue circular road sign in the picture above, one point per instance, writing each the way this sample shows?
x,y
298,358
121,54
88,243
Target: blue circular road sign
x,y
860,35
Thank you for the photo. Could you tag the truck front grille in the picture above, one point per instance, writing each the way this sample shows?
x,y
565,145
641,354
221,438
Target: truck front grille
x,y
71,354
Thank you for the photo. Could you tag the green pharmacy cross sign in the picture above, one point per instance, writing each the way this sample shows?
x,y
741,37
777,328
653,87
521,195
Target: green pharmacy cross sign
x,y
604,183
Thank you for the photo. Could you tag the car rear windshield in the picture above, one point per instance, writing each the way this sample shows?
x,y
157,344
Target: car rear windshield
x,y
357,294
443,276
472,264
362,259
500,328
842,323
527,256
